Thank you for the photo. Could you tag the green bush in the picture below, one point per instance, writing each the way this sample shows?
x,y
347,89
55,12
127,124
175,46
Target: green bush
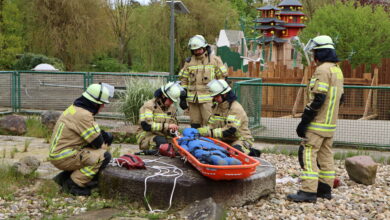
x,y
108,64
29,60
138,90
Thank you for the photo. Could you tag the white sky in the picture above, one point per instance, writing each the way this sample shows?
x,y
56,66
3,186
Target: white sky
x,y
143,2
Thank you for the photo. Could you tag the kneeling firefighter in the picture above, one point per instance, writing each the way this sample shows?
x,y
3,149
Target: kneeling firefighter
x,y
158,120
78,146
228,121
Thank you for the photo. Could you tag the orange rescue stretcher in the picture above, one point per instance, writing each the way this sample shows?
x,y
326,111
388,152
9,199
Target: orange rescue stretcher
x,y
217,172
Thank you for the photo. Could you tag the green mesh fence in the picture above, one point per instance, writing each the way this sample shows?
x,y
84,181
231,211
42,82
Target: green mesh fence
x,y
363,119
7,93
273,110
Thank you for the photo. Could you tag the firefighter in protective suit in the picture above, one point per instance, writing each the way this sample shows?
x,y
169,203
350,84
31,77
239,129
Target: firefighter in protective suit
x,y
158,118
228,121
78,146
197,72
318,123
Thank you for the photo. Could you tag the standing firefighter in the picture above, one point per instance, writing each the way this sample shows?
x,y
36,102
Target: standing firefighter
x,y
228,121
198,70
78,146
158,119
318,123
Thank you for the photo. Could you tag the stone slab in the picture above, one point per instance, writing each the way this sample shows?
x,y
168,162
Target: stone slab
x,y
116,182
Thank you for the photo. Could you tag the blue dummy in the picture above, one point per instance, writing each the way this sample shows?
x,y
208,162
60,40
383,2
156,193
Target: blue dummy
x,y
205,149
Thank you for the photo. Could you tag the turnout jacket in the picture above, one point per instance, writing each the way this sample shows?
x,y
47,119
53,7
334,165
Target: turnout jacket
x,y
75,129
226,115
327,79
155,115
197,72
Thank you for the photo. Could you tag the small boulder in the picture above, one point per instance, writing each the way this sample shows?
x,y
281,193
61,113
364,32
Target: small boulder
x,y
27,165
206,209
361,169
49,118
13,124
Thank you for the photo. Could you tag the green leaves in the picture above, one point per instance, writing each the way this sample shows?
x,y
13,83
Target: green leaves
x,y
358,31
138,90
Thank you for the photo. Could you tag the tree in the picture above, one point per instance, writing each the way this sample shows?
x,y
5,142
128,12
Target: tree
x,y
119,13
11,32
360,33
71,30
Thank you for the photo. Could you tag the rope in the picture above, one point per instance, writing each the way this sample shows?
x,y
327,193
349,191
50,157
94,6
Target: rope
x,y
167,171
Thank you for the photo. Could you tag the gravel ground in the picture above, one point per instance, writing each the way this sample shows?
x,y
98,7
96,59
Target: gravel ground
x,y
351,200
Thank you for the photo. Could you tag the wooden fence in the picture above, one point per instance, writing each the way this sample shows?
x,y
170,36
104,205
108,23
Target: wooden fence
x,y
284,101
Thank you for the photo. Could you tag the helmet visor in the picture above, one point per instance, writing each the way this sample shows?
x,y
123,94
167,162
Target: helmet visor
x,y
111,89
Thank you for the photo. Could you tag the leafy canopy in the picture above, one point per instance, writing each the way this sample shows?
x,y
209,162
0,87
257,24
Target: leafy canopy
x,y
361,34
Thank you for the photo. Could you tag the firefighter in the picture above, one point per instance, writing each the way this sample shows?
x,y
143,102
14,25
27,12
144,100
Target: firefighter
x,y
158,118
228,121
318,123
198,70
78,146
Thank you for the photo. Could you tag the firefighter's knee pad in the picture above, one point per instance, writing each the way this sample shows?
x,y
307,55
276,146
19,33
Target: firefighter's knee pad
x,y
160,140
300,156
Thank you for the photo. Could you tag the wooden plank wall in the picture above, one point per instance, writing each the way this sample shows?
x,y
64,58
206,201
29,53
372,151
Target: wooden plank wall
x,y
289,101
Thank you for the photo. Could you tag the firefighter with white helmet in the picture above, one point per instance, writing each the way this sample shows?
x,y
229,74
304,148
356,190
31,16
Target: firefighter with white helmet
x,y
318,123
78,146
228,121
198,70
157,118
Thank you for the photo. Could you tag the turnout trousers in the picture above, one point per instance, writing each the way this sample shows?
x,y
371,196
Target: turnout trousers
x,y
199,112
85,164
316,159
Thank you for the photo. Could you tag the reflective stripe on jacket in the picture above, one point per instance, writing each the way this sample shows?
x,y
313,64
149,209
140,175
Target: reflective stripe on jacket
x,y
75,128
327,79
197,73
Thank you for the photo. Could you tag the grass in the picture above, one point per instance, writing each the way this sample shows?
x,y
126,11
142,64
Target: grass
x,y
137,92
27,143
11,180
35,128
116,151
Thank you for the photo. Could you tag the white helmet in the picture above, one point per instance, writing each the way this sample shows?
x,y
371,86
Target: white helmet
x,y
319,42
218,86
197,42
172,90
99,93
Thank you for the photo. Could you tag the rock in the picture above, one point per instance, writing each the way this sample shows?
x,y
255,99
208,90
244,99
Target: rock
x,y
13,124
206,209
361,169
49,118
107,213
116,182
27,165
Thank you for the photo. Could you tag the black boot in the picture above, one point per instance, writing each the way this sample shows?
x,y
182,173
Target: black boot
x,y
74,189
62,177
302,196
324,191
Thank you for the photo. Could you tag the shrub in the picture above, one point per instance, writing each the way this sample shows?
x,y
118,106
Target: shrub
x,y
29,60
108,64
138,90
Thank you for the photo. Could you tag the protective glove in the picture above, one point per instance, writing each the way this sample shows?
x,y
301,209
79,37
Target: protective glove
x,y
307,116
203,131
229,132
107,137
145,126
